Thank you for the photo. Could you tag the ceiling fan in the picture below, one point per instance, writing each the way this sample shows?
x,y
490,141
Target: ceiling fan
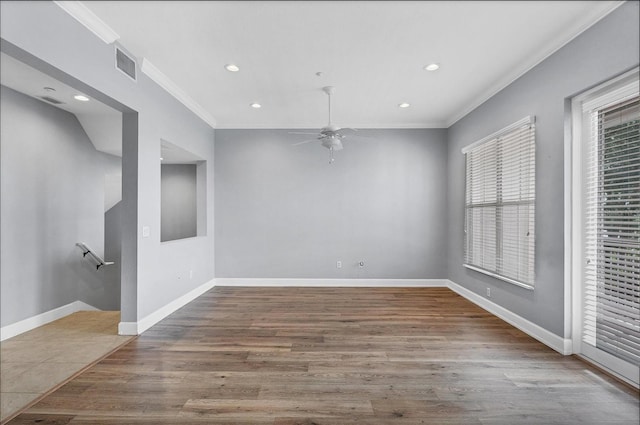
x,y
330,136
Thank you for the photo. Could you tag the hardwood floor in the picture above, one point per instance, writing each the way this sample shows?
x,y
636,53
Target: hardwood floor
x,y
336,356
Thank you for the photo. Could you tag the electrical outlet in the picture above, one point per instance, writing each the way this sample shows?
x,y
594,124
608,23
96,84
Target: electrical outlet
x,y
489,292
338,264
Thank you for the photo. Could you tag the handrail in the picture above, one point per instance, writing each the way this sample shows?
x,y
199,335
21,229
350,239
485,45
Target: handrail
x,y
95,257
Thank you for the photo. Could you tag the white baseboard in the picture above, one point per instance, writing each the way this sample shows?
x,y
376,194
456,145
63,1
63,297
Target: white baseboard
x,y
33,322
561,345
128,328
136,328
382,283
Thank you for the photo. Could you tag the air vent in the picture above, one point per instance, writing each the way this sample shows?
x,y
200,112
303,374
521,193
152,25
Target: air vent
x,y
51,100
126,64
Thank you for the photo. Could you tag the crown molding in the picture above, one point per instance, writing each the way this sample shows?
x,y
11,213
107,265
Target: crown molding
x,y
90,20
567,36
358,126
173,89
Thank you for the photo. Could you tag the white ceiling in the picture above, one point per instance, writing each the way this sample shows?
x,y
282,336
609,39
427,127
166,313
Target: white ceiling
x,y
372,51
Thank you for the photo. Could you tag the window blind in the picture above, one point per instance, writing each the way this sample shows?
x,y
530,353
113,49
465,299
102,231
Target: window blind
x,y
611,310
500,204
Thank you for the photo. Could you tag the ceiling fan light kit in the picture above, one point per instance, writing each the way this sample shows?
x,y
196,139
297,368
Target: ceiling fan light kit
x,y
331,135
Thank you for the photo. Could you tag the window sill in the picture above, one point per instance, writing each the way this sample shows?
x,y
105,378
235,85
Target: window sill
x,y
497,276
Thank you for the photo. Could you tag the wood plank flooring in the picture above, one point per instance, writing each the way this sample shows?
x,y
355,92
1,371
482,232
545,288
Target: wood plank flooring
x,y
336,356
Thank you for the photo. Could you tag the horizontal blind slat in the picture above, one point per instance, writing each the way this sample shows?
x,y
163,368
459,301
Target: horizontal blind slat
x,y
499,203
611,306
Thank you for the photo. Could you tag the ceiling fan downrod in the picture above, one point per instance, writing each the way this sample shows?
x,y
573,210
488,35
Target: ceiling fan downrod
x,y
329,90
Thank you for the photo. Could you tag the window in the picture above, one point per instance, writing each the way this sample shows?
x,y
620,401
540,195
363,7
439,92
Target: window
x,y
608,279
500,204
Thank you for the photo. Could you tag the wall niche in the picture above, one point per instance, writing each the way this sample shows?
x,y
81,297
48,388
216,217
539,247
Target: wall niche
x,y
182,193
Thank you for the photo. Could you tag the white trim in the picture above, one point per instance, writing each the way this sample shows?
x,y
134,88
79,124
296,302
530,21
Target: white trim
x,y
90,20
573,225
568,229
173,89
587,22
33,322
528,120
624,85
499,276
128,328
617,95
363,125
347,283
561,345
97,26
136,328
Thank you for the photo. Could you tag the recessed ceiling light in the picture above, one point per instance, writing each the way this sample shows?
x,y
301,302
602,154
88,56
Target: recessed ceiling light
x,y
404,105
432,67
81,98
256,105
231,67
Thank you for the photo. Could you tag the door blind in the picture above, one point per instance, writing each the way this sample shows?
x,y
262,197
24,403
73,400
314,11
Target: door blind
x,y
611,310
500,204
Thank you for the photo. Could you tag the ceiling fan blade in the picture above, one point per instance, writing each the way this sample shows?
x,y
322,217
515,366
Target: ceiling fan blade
x,y
302,132
305,141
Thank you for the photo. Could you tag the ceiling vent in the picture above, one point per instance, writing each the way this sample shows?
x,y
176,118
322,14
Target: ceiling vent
x,y
126,64
51,100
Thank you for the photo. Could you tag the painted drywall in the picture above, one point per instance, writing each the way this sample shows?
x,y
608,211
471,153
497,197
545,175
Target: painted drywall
x,y
53,188
178,202
153,274
112,188
104,131
283,211
113,250
603,51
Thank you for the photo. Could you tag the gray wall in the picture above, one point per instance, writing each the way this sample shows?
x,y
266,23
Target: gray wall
x,y
283,211
605,50
113,250
52,188
153,274
178,202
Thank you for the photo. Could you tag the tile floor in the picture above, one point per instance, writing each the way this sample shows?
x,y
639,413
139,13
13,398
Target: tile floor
x,y
37,361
